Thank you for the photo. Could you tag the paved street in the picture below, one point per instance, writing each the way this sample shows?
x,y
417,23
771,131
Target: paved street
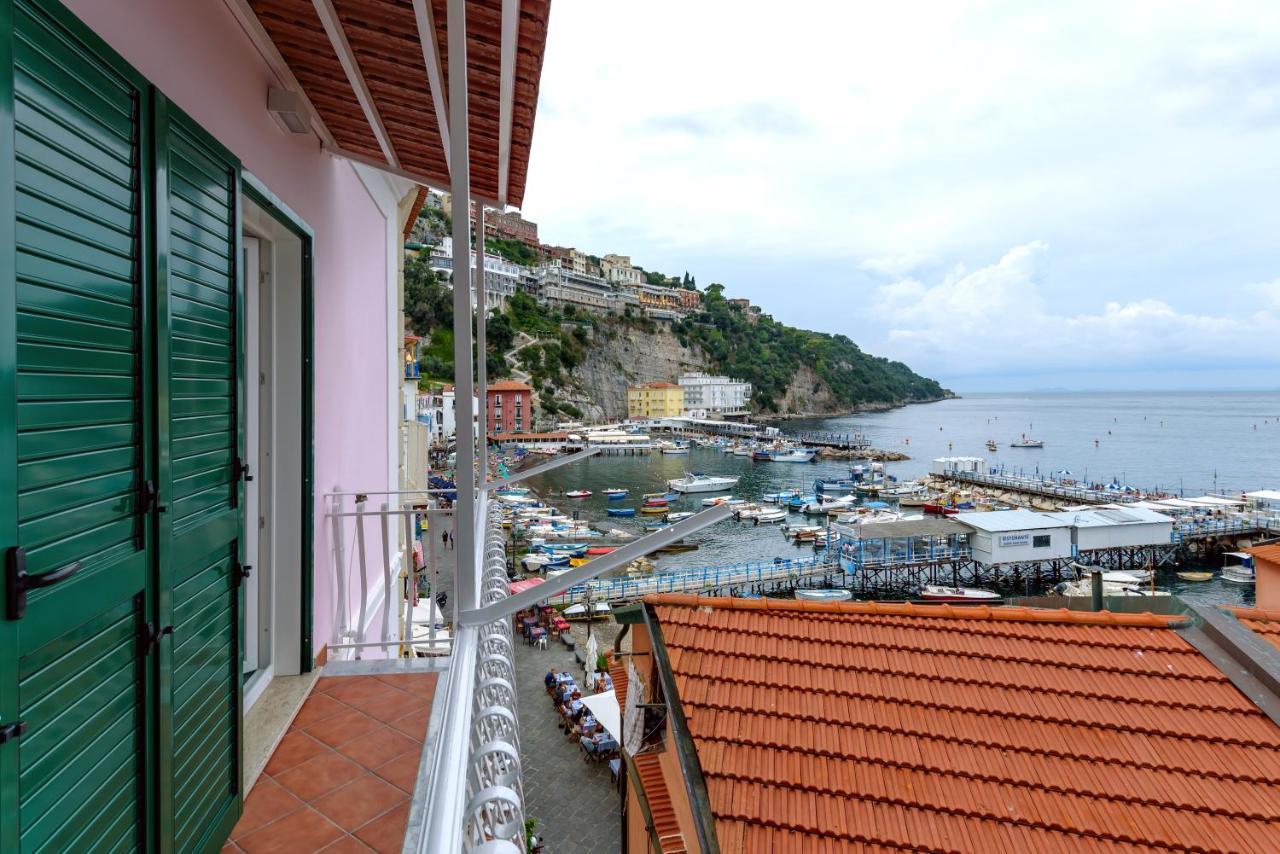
x,y
575,803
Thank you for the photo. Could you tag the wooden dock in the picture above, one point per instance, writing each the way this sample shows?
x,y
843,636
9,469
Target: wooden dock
x,y
840,441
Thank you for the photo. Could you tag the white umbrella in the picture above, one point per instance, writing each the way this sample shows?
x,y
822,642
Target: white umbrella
x,y
605,708
591,655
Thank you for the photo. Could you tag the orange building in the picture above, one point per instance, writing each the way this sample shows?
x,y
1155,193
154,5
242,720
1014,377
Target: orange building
x,y
510,407
790,726
1266,564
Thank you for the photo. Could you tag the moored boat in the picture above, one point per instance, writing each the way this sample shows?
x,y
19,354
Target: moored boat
x,y
578,493
793,455
1195,576
621,511
941,593
703,483
1026,442
1237,567
614,494
824,595
654,510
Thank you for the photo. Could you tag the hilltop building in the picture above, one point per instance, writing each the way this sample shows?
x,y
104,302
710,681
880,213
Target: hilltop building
x,y
712,395
655,400
511,226
618,270
501,277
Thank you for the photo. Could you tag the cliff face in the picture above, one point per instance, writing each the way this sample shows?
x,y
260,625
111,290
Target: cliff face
x,y
619,356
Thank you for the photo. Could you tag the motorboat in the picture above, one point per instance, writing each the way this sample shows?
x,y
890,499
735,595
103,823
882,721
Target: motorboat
x,y
1238,568
793,455
904,490
1084,587
716,501
823,595
1195,576
580,548
676,451
677,517
942,593
770,515
743,451
615,494
992,446
541,561
833,487
578,493
835,505
621,511
1026,442
601,550
657,501
762,455
677,547
703,483
918,499
654,510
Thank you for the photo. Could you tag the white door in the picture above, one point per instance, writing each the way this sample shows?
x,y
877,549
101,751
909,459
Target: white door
x,y
252,506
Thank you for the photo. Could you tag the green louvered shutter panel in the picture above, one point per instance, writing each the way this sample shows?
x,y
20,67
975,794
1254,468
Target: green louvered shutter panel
x,y
75,299
199,483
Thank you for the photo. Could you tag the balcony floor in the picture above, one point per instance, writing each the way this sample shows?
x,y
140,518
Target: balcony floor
x,y
343,776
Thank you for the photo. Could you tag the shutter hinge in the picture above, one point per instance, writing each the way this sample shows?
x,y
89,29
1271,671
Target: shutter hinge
x,y
239,572
12,730
151,637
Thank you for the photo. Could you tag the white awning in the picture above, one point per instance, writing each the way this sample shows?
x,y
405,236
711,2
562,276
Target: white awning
x,y
605,708
1264,495
1218,500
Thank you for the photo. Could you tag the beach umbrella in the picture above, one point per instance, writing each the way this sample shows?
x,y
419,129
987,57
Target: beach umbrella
x,y
592,653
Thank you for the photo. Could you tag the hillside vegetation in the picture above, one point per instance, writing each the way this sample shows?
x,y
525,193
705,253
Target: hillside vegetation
x,y
768,354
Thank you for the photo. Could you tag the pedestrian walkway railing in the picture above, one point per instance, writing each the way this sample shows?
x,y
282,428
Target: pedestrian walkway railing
x,y
1192,528
897,552
627,588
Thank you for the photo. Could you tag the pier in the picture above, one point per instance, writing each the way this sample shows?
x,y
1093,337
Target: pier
x,y
839,441
1042,487
735,579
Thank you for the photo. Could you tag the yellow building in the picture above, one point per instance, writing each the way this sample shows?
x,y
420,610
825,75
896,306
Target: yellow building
x,y
655,400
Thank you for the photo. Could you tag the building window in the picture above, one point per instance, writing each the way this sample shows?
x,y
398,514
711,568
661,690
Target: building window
x,y
1040,541
518,397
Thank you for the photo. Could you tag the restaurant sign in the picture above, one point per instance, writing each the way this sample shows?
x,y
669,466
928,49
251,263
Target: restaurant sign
x,y
1015,539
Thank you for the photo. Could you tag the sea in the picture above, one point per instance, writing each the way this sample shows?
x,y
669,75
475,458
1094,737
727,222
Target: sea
x,y
1184,443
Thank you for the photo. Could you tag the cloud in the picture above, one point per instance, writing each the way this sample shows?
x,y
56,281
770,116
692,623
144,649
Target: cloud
x,y
1268,293
995,320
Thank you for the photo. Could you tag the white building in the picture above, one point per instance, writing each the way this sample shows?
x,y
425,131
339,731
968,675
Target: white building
x,y
437,409
618,270
559,287
501,277
1109,528
715,395
958,465
1017,536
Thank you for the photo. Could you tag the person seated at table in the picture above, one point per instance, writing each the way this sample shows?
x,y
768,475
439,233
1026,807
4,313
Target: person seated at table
x,y
550,679
601,742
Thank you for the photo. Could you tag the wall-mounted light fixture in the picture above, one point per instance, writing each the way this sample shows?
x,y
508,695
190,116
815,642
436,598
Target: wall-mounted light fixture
x,y
289,109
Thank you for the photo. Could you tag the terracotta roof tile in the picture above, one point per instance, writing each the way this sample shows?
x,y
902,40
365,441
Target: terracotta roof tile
x,y
665,825
858,726
1265,623
1269,553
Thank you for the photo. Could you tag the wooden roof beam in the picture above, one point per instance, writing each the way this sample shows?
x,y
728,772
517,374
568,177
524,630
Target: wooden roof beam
x,y
435,78
342,49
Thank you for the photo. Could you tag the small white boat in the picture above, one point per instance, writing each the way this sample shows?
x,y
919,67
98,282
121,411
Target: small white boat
x,y
1081,589
578,493
824,595
770,515
676,451
941,593
703,483
793,455
1237,567
743,451
1026,442
716,501
677,517
615,493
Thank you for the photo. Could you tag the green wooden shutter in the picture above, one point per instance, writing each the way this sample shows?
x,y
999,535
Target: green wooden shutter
x,y
77,300
200,432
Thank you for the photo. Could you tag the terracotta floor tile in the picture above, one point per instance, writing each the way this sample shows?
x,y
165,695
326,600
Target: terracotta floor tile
x,y
423,684
347,845
389,706
413,724
320,775
379,747
359,802
402,771
386,832
317,708
304,830
353,687
342,727
267,802
294,749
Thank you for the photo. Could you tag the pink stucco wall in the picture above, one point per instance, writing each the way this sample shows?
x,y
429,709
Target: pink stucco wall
x,y
197,54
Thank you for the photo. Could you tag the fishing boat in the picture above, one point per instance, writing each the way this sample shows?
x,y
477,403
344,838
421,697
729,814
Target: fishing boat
x,y
654,510
614,494
677,517
599,610
676,451
762,455
1237,567
793,455
621,511
601,550
991,445
1196,576
541,561
919,499
703,483
743,451
941,593
578,493
1026,442
824,595
904,490
832,487
563,548
932,509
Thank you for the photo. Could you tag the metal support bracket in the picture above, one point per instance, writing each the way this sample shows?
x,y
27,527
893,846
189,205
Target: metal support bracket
x,y
592,568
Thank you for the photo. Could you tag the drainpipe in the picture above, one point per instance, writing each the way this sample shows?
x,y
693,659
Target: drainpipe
x,y
1095,578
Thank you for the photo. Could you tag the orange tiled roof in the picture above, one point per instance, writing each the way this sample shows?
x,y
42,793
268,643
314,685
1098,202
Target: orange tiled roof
x,y
509,385
1269,553
665,825
618,673
824,726
1264,623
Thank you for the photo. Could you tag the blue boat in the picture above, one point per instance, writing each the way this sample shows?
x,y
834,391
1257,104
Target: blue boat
x,y
621,511
564,547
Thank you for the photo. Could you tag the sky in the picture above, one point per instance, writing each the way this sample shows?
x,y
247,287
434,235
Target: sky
x,y
1005,196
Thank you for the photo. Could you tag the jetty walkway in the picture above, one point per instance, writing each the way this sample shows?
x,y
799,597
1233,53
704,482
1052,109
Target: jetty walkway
x,y
752,576
842,441
1044,487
